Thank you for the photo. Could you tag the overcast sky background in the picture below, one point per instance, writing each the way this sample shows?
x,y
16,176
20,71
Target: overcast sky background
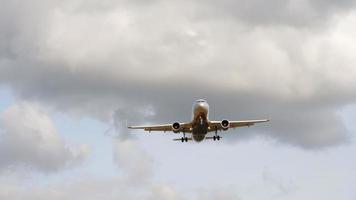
x,y
73,72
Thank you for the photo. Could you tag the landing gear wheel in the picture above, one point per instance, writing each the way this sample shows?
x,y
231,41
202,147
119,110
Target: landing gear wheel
x,y
186,139
218,137
182,139
214,137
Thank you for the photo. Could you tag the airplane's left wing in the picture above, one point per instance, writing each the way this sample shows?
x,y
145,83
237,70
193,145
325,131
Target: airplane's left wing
x,y
186,127
234,124
219,125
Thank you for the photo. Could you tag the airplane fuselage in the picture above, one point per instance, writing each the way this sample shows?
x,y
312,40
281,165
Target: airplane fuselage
x,y
200,120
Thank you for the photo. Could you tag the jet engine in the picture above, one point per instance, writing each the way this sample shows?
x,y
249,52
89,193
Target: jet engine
x,y
176,127
225,124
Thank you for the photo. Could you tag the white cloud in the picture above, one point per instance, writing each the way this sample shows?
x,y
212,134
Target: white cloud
x,y
90,189
29,139
164,192
136,164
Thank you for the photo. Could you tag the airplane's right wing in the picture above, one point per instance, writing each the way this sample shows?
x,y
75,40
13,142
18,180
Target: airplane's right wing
x,y
186,127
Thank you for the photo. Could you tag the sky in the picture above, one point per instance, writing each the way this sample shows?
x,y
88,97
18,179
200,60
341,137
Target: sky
x,y
74,73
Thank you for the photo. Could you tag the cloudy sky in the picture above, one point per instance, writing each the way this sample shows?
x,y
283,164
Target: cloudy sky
x,y
73,72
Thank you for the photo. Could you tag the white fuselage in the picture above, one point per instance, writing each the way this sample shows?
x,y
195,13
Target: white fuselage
x,y
200,120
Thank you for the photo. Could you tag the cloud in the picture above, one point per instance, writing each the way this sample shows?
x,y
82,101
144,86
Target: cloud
x,y
301,14
136,164
228,193
123,116
162,192
89,189
29,139
122,60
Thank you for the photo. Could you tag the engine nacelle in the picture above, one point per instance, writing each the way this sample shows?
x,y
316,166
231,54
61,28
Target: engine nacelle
x,y
176,127
225,124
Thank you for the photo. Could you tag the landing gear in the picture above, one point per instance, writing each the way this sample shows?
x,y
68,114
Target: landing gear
x,y
184,139
216,136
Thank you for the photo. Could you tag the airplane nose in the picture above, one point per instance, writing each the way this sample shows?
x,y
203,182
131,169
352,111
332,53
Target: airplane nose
x,y
201,104
201,107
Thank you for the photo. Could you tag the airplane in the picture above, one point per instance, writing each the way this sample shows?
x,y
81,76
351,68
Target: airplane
x,y
200,124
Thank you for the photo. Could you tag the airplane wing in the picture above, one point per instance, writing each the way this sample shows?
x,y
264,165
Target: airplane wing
x,y
186,127
216,125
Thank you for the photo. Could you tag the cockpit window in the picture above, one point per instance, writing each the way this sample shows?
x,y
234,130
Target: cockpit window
x,y
200,100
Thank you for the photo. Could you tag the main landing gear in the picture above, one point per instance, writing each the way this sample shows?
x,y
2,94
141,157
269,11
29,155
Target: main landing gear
x,y
216,136
184,139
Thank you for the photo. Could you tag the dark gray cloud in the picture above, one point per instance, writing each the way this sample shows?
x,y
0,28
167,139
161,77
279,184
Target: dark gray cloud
x,y
148,62
304,13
